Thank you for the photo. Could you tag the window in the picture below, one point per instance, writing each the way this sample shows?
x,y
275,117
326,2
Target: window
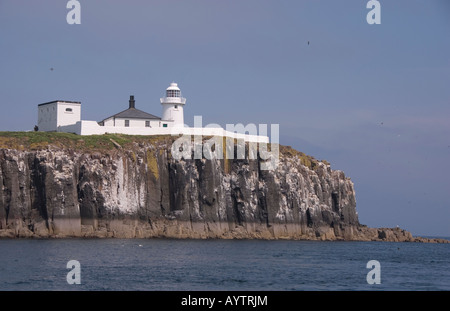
x,y
164,124
147,123
176,106
127,123
68,109
173,93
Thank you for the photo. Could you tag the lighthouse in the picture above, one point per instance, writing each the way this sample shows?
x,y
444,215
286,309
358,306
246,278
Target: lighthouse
x,y
173,105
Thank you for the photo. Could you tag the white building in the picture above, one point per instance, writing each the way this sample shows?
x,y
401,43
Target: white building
x,y
133,117
173,105
58,113
65,116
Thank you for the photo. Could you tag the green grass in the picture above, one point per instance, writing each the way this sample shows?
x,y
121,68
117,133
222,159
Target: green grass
x,y
41,140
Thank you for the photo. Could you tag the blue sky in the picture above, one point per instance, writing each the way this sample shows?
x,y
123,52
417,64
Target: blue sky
x,y
373,100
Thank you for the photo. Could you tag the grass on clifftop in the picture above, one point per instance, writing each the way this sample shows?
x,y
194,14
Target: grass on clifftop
x,y
42,140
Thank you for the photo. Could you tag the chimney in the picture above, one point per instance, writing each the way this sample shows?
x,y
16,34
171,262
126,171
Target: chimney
x,y
131,101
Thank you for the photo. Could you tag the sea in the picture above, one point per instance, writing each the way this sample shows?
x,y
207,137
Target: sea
x,y
221,265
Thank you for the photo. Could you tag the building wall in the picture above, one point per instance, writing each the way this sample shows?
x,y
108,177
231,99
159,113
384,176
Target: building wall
x,y
73,128
92,128
173,114
109,122
133,122
137,122
68,113
47,117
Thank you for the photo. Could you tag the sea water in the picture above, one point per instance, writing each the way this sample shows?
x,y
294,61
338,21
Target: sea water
x,y
198,265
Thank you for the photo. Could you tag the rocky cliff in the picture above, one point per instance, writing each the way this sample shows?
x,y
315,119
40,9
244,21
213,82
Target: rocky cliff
x,y
61,185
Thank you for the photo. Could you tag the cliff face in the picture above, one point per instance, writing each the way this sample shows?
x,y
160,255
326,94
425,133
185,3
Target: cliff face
x,y
141,191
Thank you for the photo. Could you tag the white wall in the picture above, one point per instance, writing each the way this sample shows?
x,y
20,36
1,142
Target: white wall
x,y
47,117
109,122
133,122
68,117
92,128
136,122
173,114
72,128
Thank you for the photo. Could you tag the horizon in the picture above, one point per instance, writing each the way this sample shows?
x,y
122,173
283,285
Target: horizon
x,y
373,100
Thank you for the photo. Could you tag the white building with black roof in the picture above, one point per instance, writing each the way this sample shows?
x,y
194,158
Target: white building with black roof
x,y
133,117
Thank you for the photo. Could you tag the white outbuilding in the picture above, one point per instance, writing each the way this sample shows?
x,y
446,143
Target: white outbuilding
x,y
53,115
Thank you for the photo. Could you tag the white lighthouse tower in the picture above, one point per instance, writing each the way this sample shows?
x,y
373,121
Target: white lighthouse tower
x,y
173,105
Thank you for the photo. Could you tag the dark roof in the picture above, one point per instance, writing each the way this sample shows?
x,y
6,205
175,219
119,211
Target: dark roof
x,y
133,113
60,101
